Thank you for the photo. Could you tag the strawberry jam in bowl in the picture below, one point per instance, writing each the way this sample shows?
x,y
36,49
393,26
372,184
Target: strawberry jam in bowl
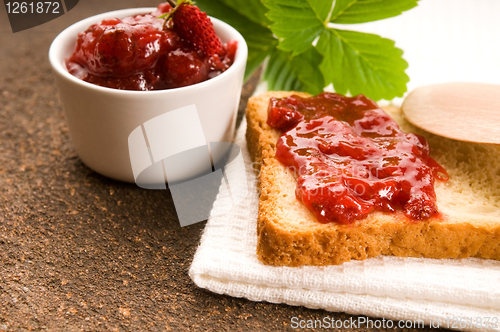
x,y
167,48
118,71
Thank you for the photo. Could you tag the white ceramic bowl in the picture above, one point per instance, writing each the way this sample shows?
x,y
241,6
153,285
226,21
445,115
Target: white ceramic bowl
x,y
101,119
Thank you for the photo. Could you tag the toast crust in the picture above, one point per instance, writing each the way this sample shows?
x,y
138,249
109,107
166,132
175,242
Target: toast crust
x,y
289,235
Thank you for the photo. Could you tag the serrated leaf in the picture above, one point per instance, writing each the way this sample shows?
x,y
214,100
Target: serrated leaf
x,y
254,10
306,67
279,74
296,24
361,11
321,8
258,51
260,40
362,63
298,73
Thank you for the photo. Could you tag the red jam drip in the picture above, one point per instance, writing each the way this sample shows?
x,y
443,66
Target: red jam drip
x,y
136,53
351,158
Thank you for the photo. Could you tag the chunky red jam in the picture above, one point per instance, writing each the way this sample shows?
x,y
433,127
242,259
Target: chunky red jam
x,y
137,53
351,158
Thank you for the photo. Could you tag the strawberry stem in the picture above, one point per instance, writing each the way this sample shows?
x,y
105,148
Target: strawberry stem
x,y
168,15
175,6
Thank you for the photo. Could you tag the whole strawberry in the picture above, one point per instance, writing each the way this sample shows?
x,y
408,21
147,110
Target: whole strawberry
x,y
194,27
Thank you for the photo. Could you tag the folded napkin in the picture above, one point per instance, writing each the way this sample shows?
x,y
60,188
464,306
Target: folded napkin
x,y
463,294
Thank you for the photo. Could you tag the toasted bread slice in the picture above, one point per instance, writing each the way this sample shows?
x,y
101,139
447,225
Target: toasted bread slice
x,y
290,235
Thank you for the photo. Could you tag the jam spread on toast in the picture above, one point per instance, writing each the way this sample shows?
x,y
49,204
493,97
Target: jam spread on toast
x,y
140,53
350,158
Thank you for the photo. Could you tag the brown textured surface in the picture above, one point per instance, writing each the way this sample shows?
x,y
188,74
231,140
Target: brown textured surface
x,y
79,252
289,234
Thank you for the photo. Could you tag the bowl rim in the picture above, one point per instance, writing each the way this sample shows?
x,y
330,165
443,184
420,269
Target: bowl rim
x,y
71,32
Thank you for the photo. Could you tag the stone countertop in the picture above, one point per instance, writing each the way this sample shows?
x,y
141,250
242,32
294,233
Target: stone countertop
x,y
79,251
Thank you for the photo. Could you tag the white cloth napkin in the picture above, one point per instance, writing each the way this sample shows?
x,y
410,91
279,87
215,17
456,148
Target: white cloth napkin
x,y
448,293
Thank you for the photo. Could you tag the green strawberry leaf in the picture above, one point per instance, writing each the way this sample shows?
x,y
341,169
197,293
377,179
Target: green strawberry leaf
x,y
353,62
254,10
361,11
321,8
364,63
279,74
298,73
260,40
296,23
258,51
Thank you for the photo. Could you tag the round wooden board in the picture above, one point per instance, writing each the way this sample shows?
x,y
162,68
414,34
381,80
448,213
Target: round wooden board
x,y
463,111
